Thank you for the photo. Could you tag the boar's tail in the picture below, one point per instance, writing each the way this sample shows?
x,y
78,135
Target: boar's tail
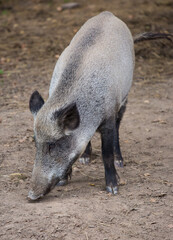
x,y
152,36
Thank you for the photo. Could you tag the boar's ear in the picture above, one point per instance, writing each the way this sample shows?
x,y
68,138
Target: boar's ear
x,y
35,103
68,117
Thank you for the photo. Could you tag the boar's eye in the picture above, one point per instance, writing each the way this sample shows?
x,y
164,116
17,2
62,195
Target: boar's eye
x,y
51,147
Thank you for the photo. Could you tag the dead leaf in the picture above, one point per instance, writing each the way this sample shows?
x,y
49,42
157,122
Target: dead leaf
x,y
92,184
122,182
18,176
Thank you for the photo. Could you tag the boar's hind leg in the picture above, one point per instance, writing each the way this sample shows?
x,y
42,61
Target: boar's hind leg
x,y
107,131
86,156
119,116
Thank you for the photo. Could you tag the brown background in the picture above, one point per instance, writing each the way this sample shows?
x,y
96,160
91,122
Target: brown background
x,y
32,36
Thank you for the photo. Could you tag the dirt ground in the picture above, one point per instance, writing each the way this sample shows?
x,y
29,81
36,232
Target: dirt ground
x,y
32,36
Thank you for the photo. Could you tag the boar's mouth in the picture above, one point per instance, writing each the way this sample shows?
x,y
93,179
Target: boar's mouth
x,y
33,196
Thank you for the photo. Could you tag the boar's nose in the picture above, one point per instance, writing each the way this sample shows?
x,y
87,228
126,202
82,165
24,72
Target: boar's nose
x,y
39,190
33,197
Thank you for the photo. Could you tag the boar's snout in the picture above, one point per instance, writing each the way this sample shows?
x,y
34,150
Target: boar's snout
x,y
32,196
40,186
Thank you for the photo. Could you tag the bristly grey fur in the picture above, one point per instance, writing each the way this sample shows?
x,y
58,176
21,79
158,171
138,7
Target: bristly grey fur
x,y
70,73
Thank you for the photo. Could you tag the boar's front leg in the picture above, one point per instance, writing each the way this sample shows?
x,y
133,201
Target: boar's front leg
x,y
118,118
86,156
107,131
64,181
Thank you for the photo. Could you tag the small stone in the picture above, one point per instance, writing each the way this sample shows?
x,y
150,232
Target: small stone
x,y
153,200
59,9
146,174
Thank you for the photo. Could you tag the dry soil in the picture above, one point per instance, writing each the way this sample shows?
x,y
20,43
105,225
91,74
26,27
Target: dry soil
x,y
32,36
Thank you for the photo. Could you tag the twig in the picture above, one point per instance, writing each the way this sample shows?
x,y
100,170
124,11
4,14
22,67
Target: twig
x,y
94,178
86,235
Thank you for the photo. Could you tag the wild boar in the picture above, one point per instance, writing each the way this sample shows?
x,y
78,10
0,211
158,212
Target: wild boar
x,y
88,93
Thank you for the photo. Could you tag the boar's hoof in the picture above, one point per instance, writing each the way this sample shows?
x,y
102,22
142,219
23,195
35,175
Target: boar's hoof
x,y
84,160
63,182
118,163
113,190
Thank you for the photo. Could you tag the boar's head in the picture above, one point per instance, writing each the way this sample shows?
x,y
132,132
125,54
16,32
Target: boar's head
x,y
55,143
